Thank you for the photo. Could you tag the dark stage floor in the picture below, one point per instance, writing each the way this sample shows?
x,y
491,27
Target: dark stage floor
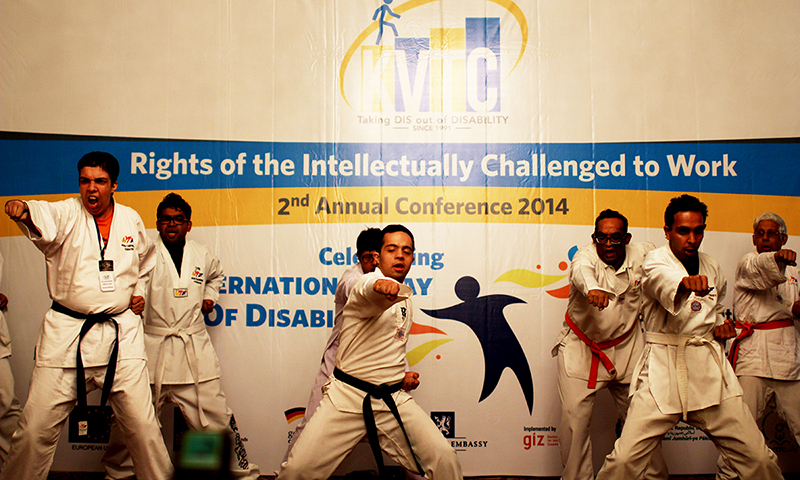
x,y
99,476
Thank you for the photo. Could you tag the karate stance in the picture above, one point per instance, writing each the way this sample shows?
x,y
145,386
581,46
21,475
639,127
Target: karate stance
x,y
366,385
368,244
98,261
9,405
682,373
183,365
766,353
602,327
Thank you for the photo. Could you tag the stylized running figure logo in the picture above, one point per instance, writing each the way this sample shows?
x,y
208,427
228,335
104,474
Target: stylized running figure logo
x,y
501,348
382,11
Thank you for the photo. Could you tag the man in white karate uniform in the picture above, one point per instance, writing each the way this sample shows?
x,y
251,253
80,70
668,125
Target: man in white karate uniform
x,y
367,381
9,405
368,244
682,373
601,340
766,353
98,261
183,365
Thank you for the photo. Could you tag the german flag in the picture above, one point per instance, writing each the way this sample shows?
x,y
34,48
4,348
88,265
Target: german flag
x,y
295,413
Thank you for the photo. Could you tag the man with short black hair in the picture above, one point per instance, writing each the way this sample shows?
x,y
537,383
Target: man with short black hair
x,y
602,327
368,244
683,374
366,388
766,353
182,363
98,261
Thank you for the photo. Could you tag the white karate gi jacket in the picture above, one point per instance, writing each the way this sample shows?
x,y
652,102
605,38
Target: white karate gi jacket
x,y
710,376
623,286
765,291
343,287
372,344
5,337
176,338
70,242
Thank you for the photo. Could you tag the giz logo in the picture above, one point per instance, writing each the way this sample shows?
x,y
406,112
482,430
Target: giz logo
x,y
533,440
455,69
536,439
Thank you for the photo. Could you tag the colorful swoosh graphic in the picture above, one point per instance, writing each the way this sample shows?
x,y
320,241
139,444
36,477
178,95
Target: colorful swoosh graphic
x,y
418,353
529,279
520,276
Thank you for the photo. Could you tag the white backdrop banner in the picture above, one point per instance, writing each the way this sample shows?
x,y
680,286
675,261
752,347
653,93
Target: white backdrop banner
x,y
495,130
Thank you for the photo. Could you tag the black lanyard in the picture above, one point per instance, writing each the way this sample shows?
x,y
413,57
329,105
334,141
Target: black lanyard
x,y
103,244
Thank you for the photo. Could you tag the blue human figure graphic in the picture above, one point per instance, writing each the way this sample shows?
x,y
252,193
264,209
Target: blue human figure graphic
x,y
501,348
382,11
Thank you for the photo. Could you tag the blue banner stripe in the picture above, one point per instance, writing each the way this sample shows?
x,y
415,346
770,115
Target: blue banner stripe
x,y
46,165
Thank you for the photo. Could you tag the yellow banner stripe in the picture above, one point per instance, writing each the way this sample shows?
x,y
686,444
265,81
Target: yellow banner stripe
x,y
381,205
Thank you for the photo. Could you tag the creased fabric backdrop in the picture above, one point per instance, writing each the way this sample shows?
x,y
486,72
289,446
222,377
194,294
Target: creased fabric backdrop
x,y
495,130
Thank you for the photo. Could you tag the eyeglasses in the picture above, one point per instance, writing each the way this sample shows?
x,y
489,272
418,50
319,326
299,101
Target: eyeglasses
x,y
177,220
368,257
614,238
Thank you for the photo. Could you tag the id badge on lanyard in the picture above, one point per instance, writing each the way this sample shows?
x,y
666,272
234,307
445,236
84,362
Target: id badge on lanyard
x,y
106,267
107,276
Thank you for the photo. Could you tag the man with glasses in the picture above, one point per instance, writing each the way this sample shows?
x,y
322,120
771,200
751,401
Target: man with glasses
x,y
183,366
368,244
98,259
602,338
682,373
766,353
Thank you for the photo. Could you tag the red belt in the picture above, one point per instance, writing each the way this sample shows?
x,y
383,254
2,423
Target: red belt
x,y
597,351
747,330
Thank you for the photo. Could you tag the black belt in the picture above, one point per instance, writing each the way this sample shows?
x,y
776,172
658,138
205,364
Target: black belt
x,y
382,392
90,321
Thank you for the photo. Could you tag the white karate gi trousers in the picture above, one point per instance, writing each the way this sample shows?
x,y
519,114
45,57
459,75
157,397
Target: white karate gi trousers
x,y
52,396
577,404
729,425
117,459
331,435
756,394
314,399
9,408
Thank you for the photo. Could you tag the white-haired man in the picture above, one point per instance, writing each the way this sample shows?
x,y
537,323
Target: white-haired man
x,y
766,352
